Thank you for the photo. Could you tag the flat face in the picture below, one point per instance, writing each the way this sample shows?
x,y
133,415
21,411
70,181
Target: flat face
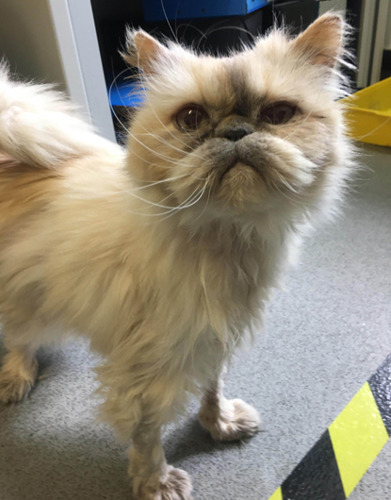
x,y
246,133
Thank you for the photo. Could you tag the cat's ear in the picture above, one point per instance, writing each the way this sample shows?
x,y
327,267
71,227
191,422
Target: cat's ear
x,y
323,40
143,51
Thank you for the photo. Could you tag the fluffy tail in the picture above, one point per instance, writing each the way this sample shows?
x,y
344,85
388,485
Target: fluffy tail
x,y
39,126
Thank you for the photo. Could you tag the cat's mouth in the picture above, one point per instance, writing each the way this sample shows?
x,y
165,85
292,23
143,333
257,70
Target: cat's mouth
x,y
245,156
237,164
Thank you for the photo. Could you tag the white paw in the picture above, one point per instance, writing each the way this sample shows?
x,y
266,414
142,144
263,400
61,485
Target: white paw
x,y
174,485
230,421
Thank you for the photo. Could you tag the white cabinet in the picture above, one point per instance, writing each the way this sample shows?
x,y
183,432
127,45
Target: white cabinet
x,y
55,41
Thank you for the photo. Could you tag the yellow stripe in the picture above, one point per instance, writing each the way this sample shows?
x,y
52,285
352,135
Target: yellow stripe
x,y
277,495
358,434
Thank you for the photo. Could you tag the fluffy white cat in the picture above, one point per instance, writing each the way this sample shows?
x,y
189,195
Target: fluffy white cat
x,y
164,254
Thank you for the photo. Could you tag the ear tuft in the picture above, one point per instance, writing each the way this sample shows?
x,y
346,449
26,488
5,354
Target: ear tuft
x,y
142,50
323,40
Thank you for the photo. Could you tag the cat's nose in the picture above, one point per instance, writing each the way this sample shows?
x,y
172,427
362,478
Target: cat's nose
x,y
234,132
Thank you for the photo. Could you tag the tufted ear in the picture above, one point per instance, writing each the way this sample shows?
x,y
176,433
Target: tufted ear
x,y
142,50
323,40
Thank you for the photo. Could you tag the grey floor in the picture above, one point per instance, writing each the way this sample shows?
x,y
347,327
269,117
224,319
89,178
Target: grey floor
x,y
325,335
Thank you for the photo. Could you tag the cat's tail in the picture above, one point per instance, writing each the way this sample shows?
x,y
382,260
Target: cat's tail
x,y
39,126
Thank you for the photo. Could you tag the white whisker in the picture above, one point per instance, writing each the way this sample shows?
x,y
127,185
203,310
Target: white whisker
x,y
163,141
195,200
114,82
207,200
153,151
156,183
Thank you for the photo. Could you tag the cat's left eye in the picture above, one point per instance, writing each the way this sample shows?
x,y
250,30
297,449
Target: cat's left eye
x,y
191,117
278,113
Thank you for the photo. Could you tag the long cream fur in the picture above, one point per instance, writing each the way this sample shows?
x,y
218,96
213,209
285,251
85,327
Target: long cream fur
x,y
155,253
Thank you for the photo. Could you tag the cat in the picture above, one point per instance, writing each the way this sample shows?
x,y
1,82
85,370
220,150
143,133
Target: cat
x,y
165,252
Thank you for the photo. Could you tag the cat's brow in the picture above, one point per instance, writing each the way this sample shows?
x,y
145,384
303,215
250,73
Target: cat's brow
x,y
245,100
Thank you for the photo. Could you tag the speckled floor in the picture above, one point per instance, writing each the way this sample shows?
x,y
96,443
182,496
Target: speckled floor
x,y
325,335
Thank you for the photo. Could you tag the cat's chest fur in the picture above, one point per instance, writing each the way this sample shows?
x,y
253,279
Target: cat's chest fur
x,y
217,281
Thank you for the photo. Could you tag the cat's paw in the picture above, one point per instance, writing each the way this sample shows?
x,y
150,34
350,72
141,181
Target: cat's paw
x,y
17,379
175,484
232,420
14,389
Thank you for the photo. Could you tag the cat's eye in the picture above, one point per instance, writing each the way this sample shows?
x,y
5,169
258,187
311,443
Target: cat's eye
x,y
278,113
191,117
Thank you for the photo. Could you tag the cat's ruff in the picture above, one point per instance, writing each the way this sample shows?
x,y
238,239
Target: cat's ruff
x,y
164,254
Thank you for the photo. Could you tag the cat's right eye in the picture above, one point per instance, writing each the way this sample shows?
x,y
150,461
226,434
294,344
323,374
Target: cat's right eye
x,y
191,117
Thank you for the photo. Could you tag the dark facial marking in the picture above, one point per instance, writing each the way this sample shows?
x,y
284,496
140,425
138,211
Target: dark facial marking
x,y
245,102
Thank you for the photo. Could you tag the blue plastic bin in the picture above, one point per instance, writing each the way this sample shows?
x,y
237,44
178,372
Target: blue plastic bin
x,y
125,93
161,10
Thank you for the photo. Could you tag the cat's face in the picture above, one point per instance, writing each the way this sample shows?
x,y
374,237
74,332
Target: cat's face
x,y
244,134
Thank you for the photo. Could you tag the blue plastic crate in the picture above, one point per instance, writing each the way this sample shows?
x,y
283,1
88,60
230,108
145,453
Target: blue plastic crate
x,y
161,10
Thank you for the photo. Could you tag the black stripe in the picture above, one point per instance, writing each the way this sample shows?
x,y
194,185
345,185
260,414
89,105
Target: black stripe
x,y
317,476
380,384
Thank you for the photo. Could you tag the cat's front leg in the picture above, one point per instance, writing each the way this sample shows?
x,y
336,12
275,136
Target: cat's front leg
x,y
227,420
152,477
139,399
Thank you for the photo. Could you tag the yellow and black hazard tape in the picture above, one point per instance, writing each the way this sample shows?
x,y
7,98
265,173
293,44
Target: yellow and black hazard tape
x,y
334,466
